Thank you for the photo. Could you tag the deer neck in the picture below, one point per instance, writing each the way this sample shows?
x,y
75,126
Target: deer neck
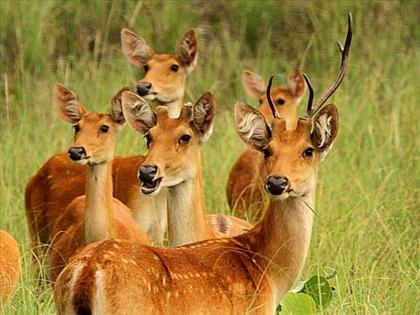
x,y
174,107
281,240
99,212
187,220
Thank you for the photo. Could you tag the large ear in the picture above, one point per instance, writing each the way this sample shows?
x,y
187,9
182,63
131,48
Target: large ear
x,y
253,84
188,50
296,83
135,48
325,129
251,126
116,107
138,112
68,105
204,114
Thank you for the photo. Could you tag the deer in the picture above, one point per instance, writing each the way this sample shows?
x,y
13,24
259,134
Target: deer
x,y
96,215
174,162
48,193
243,188
9,266
248,273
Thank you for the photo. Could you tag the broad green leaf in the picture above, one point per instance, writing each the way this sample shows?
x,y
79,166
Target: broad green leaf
x,y
319,289
297,304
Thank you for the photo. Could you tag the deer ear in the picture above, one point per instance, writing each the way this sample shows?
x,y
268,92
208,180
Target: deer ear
x,y
204,114
325,129
116,107
253,84
251,126
138,112
188,50
68,105
135,48
296,84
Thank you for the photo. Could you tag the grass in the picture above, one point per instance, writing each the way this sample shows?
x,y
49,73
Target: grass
x,y
366,225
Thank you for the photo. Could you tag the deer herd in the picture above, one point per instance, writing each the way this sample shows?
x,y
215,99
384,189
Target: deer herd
x,y
102,220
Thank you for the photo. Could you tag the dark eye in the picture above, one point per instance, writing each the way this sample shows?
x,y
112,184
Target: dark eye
x,y
308,152
184,139
281,101
146,68
266,152
76,128
174,68
104,128
148,139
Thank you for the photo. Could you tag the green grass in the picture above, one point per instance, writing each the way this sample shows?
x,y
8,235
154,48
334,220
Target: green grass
x,y
366,225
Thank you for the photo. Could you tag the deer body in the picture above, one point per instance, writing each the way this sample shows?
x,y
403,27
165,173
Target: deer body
x,y
97,215
48,192
244,190
9,266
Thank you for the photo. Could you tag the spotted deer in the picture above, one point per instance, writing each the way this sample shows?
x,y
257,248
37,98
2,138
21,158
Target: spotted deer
x,y
174,162
9,266
47,194
249,273
243,189
97,215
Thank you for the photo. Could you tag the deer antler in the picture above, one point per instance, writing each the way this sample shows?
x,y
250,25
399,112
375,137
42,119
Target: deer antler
x,y
312,109
270,101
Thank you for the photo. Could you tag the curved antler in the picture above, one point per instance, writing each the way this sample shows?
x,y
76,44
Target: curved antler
x,y
269,99
312,109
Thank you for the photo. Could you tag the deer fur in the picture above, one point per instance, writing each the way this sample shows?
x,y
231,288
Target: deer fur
x,y
96,216
179,166
9,266
248,273
244,189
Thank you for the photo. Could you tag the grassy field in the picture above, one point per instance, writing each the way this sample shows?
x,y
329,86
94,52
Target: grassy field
x,y
367,211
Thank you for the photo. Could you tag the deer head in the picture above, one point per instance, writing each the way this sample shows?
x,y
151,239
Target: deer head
x,y
94,132
174,143
164,78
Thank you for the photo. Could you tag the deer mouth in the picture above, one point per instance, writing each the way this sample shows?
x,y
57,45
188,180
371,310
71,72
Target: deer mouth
x,y
151,187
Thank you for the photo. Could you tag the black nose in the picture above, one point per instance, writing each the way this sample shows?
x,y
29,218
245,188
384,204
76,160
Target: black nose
x,y
147,173
276,185
77,153
143,88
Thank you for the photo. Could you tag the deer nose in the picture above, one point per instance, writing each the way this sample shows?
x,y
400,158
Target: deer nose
x,y
276,185
143,88
147,173
77,153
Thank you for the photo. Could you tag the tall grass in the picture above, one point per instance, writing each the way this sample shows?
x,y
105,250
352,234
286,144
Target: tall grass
x,y
366,226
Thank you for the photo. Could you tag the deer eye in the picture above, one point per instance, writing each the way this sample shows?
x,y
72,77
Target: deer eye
x,y
184,139
308,152
104,128
174,68
148,139
281,101
146,68
76,128
266,152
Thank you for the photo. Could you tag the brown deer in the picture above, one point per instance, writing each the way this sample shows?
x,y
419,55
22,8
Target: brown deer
x,y
9,266
47,194
95,216
248,273
174,162
244,186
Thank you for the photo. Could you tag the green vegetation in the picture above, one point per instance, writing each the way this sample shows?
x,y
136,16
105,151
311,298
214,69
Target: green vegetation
x,y
367,212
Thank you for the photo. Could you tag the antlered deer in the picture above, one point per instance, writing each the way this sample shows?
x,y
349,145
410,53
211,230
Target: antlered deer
x,y
174,161
48,192
9,266
244,187
248,273
95,216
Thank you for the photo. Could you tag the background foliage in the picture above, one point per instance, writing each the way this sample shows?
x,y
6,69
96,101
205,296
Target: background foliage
x,y
366,225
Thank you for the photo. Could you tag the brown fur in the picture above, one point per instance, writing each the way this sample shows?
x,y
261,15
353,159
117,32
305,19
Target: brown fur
x,y
9,266
248,273
243,189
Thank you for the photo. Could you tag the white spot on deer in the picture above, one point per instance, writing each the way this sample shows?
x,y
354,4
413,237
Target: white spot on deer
x,y
100,293
73,279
